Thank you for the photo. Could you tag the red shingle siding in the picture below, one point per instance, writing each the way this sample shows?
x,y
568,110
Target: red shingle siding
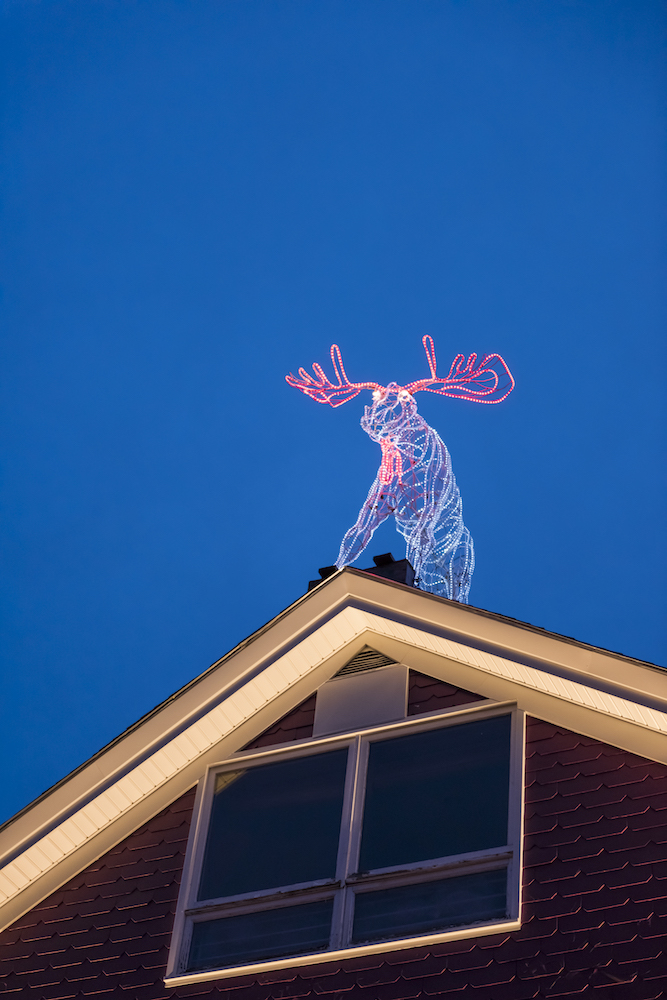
x,y
426,694
595,906
106,932
297,725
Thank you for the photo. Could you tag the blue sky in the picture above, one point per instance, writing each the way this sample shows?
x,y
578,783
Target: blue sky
x,y
199,198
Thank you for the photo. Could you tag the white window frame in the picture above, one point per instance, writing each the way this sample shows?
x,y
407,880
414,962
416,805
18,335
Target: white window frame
x,y
344,886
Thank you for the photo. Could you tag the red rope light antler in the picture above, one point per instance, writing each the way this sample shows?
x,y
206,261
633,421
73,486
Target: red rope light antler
x,y
322,390
464,380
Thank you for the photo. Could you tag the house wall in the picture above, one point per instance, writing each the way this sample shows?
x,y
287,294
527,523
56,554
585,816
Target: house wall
x,y
594,913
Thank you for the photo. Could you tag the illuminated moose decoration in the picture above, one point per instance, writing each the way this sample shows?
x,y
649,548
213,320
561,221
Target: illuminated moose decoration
x,y
415,481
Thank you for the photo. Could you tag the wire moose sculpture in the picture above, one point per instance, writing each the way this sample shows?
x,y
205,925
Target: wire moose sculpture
x,y
415,481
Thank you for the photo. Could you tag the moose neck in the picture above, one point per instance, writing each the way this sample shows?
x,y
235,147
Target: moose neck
x,y
405,446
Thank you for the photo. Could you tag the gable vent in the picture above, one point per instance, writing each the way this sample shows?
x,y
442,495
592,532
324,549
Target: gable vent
x,y
366,659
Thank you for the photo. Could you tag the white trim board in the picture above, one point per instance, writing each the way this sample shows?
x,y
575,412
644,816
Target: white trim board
x,y
163,774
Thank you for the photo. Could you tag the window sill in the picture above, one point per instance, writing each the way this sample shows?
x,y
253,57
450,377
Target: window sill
x,y
297,961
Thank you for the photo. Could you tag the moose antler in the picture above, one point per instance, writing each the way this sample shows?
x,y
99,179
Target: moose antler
x,y
324,391
465,381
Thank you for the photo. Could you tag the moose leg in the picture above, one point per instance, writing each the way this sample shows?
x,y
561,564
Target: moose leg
x,y
376,509
446,568
462,566
454,568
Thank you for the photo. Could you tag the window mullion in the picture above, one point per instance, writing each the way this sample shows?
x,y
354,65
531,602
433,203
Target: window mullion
x,y
347,816
346,845
356,824
356,819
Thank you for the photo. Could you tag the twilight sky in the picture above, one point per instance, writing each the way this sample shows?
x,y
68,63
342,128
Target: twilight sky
x,y
199,198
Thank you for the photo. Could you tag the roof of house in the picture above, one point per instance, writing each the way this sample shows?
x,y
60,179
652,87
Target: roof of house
x,y
600,694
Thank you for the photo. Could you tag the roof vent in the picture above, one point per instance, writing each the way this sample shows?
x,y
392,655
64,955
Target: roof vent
x,y
366,659
386,559
325,572
398,570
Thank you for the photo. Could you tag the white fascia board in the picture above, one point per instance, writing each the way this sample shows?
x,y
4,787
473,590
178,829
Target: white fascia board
x,y
628,677
174,716
248,691
149,785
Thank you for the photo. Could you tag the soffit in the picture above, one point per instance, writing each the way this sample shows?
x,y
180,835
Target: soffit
x,y
592,691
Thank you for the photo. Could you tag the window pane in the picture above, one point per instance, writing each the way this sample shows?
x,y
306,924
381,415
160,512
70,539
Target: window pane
x,y
430,906
274,825
436,793
255,937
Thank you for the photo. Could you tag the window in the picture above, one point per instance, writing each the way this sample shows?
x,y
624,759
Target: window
x,y
395,834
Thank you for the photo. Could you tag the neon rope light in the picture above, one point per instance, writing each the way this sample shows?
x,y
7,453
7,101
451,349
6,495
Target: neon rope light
x,y
415,481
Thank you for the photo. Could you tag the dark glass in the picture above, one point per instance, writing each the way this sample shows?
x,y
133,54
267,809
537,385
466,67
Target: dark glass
x,y
257,937
430,906
274,825
438,793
